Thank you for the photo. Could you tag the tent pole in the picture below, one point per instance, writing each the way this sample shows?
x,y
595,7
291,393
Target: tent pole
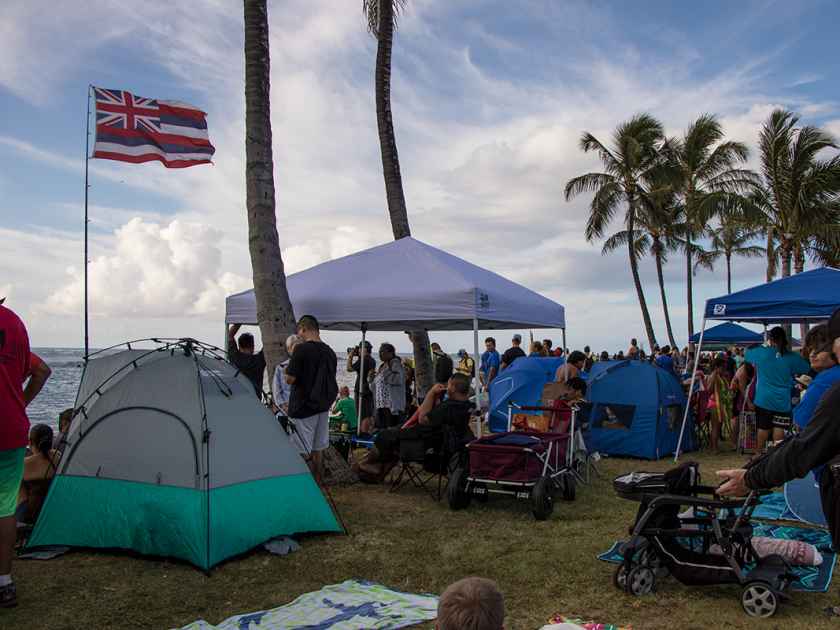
x,y
690,389
476,364
765,332
361,381
564,341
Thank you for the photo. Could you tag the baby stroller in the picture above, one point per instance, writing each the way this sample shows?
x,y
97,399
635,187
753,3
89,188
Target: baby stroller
x,y
676,526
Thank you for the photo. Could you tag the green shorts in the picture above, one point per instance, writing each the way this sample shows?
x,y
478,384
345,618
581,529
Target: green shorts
x,y
11,474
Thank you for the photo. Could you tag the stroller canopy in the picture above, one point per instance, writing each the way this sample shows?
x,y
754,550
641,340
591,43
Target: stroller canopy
x,y
522,383
171,454
635,410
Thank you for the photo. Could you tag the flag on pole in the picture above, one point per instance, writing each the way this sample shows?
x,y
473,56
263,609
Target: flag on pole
x,y
136,129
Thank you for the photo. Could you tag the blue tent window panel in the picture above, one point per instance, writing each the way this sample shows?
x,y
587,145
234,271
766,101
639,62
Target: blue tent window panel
x,y
674,413
612,416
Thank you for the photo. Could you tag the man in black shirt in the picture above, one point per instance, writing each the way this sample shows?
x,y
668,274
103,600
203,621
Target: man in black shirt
x,y
816,448
246,361
311,373
443,367
513,353
453,413
353,364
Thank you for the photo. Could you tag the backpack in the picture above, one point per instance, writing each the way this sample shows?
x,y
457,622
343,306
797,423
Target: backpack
x,y
324,387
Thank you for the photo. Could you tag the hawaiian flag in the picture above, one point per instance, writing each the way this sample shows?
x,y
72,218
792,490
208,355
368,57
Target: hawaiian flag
x,y
135,129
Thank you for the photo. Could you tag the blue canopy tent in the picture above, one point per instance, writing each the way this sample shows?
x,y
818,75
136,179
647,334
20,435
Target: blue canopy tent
x,y
635,409
728,334
810,296
522,383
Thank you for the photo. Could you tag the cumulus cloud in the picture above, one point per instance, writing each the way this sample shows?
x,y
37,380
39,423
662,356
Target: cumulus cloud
x,y
155,270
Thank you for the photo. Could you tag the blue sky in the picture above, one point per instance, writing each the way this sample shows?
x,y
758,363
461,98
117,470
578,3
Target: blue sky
x,y
490,98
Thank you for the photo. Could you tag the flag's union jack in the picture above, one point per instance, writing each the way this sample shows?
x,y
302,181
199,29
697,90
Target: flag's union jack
x,y
132,128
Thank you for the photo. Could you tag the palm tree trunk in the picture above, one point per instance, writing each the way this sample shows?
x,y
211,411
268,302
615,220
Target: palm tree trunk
x,y
393,178
728,273
799,267
786,255
274,309
689,291
771,255
661,278
634,268
385,123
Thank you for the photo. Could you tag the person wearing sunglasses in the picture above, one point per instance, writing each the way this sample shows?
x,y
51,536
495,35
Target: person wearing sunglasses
x,y
818,343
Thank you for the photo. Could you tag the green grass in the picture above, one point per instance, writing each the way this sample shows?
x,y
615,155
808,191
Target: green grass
x,y
408,542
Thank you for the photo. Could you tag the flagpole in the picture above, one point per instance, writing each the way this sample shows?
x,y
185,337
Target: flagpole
x,y
87,159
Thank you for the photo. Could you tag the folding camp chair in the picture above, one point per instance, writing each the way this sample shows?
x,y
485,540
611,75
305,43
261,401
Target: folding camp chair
x,y
426,462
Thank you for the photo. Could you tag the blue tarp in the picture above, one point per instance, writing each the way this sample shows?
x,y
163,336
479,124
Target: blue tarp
x,y
728,334
636,410
810,295
521,383
407,285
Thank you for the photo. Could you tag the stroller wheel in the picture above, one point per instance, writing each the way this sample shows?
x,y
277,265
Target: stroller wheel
x,y
542,503
640,581
569,486
620,577
759,600
456,491
650,558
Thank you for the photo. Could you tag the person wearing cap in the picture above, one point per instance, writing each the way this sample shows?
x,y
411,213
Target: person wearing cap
x,y
816,448
513,353
466,365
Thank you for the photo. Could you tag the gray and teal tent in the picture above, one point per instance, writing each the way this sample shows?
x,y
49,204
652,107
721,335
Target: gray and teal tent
x,y
171,454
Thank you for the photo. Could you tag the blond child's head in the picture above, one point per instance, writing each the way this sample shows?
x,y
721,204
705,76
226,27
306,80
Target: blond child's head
x,y
473,603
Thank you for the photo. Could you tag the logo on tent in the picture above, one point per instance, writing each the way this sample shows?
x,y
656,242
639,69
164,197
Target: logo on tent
x,y
483,301
719,309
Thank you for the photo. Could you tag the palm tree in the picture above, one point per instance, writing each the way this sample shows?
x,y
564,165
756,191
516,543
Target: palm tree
x,y
274,309
801,195
656,235
381,22
732,237
703,166
628,164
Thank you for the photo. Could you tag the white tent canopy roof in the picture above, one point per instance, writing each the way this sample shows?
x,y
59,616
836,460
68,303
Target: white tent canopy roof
x,y
404,285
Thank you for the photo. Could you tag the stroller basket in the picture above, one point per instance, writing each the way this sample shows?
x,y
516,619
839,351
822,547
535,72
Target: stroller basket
x,y
635,486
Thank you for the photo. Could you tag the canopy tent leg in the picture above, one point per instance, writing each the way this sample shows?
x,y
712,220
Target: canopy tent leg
x,y
690,390
564,341
476,364
765,332
361,382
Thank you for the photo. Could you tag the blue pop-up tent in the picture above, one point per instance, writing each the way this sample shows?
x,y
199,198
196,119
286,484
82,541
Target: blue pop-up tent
x,y
522,383
810,296
728,334
636,408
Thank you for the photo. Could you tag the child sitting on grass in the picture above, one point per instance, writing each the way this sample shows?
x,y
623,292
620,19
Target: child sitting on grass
x,y
473,603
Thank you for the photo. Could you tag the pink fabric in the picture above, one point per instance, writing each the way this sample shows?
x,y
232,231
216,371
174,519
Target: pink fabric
x,y
796,552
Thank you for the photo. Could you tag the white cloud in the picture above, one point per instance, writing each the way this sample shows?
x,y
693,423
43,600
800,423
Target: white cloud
x,y
155,270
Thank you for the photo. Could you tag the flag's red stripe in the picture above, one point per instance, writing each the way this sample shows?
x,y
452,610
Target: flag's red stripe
x,y
148,157
162,138
180,111
121,109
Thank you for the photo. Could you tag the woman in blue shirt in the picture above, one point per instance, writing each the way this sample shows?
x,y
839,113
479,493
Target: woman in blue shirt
x,y
776,366
824,363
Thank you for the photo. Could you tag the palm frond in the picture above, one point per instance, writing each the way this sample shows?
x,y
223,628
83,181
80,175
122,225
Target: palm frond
x,y
370,8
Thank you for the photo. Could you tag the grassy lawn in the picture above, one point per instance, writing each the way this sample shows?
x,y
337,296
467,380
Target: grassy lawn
x,y
408,542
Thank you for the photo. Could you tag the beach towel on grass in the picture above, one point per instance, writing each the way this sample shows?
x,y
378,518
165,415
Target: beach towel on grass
x,y
811,579
351,605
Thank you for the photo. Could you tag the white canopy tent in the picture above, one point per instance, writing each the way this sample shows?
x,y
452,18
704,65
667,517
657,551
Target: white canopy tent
x,y
408,285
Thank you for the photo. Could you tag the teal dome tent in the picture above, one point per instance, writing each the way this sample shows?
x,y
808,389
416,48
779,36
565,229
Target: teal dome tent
x,y
171,454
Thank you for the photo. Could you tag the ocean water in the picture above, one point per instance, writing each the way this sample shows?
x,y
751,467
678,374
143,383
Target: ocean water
x,y
59,393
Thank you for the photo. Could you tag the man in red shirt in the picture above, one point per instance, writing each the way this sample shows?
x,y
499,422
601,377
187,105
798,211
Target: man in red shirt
x,y
17,363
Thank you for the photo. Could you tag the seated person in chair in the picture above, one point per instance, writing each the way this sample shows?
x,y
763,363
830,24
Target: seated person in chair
x,y
38,471
454,413
343,411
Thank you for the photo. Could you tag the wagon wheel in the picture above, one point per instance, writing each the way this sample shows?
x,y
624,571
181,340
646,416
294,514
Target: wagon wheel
x,y
759,600
456,491
640,581
542,503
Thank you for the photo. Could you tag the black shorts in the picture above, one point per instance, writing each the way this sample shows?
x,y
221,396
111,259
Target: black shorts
x,y
767,420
